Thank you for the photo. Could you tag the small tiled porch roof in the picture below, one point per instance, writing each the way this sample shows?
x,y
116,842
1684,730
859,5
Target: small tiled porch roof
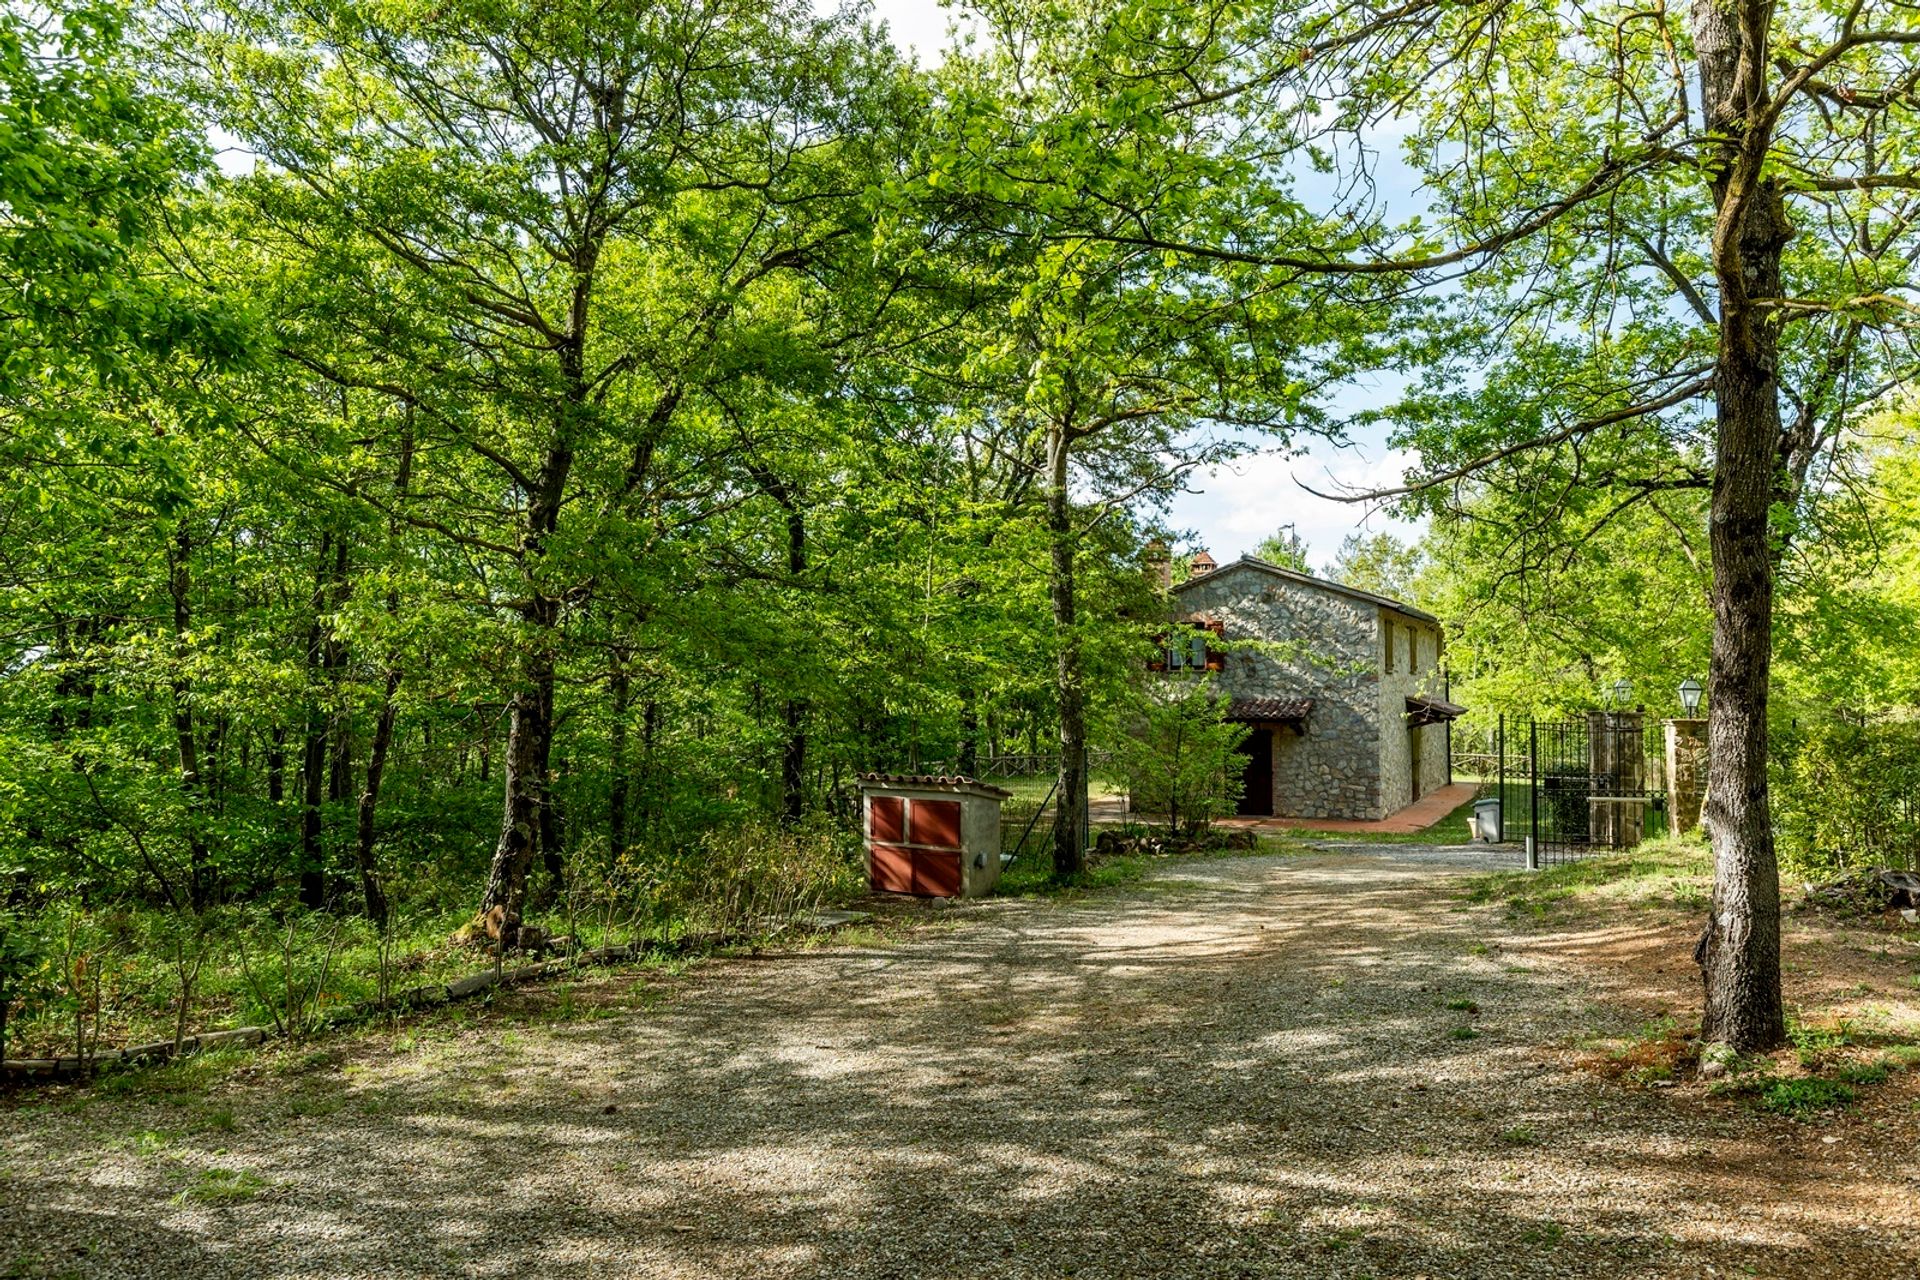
x,y
1424,710
1287,711
933,782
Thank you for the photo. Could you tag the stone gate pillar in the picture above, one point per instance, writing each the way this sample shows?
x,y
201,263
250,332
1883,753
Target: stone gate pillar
x,y
1686,772
1617,774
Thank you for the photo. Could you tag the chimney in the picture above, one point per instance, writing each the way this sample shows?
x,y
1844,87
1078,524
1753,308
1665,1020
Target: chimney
x,y
1159,565
1201,565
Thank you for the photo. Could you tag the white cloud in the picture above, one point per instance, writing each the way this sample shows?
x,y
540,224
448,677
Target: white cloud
x,y
1235,507
916,26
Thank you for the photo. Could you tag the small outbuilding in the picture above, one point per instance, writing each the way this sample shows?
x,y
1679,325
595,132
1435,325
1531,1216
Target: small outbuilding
x,y
935,836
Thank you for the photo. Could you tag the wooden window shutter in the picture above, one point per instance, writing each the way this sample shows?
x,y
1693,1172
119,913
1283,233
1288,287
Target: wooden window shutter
x,y
1217,658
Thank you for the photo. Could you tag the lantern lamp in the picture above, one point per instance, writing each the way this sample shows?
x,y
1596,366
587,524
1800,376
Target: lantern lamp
x,y
1690,695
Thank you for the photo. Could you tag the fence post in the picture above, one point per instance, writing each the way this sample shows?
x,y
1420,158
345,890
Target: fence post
x,y
1533,794
1500,789
1086,795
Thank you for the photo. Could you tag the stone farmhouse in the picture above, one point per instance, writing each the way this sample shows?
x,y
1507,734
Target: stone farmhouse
x,y
1344,703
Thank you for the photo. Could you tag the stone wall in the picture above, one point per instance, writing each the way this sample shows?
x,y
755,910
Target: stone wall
x,y
1422,676
1325,651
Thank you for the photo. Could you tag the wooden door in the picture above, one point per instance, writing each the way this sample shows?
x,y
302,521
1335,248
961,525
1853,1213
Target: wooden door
x,y
1256,777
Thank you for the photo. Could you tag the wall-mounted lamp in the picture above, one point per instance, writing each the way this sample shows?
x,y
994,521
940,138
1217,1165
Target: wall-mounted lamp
x,y
1690,695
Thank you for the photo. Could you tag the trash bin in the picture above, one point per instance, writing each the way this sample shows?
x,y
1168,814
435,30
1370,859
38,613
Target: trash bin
x,y
1486,820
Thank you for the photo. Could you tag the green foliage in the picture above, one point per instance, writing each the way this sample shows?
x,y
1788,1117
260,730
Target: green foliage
x,y
1380,563
1846,796
1177,754
759,877
1805,1097
1286,548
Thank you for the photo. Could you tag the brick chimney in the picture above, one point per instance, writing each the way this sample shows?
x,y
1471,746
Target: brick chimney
x,y
1159,566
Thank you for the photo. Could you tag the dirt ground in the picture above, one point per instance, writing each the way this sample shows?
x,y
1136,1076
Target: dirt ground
x,y
1321,1066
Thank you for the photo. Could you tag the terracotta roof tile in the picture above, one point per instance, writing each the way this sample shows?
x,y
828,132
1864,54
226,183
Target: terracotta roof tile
x,y
1427,710
1263,710
933,780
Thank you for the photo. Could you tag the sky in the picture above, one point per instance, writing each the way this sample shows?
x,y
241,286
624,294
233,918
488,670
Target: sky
x,y
1231,510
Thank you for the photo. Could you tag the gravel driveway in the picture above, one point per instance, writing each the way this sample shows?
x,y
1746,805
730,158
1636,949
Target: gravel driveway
x,y
1243,1068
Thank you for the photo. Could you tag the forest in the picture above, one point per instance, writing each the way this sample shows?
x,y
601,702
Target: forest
x,y
501,469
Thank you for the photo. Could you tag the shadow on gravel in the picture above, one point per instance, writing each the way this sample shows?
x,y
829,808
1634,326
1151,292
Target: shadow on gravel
x,y
1311,1068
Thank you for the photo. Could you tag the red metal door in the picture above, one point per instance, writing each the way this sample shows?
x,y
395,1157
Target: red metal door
x,y
936,823
914,846
888,820
890,864
936,874
935,831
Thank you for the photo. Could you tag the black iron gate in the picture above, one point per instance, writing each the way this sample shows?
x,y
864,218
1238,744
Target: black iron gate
x,y
1590,788
1571,788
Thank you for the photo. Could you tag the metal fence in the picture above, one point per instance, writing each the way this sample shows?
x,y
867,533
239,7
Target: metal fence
x,y
1570,789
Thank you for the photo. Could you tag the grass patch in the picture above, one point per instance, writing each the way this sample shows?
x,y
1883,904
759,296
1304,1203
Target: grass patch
x,y
1808,1096
1863,1073
1463,1033
1671,872
223,1186
1659,1052
1814,1046
1545,1234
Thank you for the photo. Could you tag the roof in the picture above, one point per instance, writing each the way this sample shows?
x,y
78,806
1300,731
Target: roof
x,y
940,781
1307,579
1268,710
1424,710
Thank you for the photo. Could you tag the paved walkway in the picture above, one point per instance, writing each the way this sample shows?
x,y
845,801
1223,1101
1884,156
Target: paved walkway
x,y
1415,818
1251,1068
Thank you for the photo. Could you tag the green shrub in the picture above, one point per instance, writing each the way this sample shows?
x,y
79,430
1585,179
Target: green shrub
x,y
1844,796
1177,754
756,876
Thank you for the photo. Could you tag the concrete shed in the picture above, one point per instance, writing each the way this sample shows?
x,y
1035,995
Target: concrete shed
x,y
933,836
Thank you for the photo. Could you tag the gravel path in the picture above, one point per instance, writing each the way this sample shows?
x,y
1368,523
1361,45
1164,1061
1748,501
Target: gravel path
x,y
1245,1068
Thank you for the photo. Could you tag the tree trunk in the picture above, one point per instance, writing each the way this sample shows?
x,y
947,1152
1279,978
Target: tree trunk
x,y
277,766
1739,952
370,887
969,731
376,897
1070,830
179,586
313,749
528,732
620,687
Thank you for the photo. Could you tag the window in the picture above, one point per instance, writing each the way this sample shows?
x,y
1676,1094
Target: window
x,y
1413,649
1389,629
1188,651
